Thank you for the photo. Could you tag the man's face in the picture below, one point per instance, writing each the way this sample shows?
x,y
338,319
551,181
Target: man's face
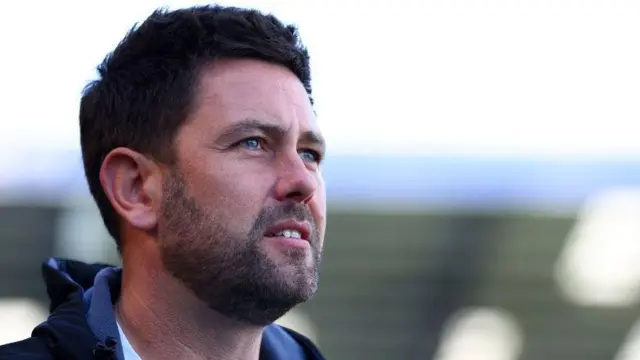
x,y
245,187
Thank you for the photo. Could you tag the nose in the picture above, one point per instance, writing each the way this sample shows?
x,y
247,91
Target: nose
x,y
295,181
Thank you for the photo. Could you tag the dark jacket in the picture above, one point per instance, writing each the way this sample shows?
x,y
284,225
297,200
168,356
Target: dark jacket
x,y
82,324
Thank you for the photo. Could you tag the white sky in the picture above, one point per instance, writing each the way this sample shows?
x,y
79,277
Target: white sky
x,y
523,77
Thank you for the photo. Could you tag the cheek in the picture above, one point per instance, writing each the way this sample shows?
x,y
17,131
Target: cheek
x,y
319,206
236,198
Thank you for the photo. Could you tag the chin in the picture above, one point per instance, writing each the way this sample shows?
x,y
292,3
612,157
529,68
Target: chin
x,y
275,302
304,286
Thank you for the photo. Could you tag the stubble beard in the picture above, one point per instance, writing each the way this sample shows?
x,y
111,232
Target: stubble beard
x,y
231,272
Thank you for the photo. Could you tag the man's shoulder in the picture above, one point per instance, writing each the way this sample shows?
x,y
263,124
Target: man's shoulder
x,y
32,348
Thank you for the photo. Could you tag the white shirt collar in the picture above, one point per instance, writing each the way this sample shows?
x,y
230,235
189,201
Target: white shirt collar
x,y
127,349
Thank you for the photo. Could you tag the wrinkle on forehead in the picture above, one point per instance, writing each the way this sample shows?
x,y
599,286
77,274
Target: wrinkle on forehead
x,y
234,90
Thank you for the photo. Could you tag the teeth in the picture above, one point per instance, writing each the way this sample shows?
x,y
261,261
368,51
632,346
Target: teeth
x,y
290,234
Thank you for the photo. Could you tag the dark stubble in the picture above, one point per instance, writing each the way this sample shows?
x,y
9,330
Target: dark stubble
x,y
229,270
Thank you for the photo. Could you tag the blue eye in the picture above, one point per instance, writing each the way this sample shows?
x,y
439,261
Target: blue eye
x,y
310,155
252,143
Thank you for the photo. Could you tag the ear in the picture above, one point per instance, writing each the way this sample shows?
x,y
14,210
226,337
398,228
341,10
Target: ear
x,y
133,185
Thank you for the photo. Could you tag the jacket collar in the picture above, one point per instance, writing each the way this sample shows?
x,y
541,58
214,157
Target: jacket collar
x,y
82,322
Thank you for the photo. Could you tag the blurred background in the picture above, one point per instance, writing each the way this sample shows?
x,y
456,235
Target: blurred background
x,y
483,175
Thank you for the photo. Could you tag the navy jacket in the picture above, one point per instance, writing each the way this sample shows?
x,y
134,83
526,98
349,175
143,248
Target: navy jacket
x,y
82,326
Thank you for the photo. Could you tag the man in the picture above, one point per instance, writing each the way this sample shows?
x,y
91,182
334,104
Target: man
x,y
202,152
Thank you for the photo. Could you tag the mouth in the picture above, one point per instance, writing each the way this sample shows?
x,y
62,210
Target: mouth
x,y
290,229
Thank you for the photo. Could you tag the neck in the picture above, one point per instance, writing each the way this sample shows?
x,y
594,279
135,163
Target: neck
x,y
163,320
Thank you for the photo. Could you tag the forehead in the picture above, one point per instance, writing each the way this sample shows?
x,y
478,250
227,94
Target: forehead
x,y
231,91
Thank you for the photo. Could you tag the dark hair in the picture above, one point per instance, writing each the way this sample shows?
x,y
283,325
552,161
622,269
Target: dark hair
x,y
146,86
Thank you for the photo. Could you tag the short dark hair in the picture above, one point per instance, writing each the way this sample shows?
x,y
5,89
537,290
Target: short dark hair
x,y
146,86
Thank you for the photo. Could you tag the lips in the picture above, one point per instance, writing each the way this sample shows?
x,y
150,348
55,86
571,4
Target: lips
x,y
290,229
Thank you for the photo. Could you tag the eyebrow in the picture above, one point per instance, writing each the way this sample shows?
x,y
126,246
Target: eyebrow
x,y
250,126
